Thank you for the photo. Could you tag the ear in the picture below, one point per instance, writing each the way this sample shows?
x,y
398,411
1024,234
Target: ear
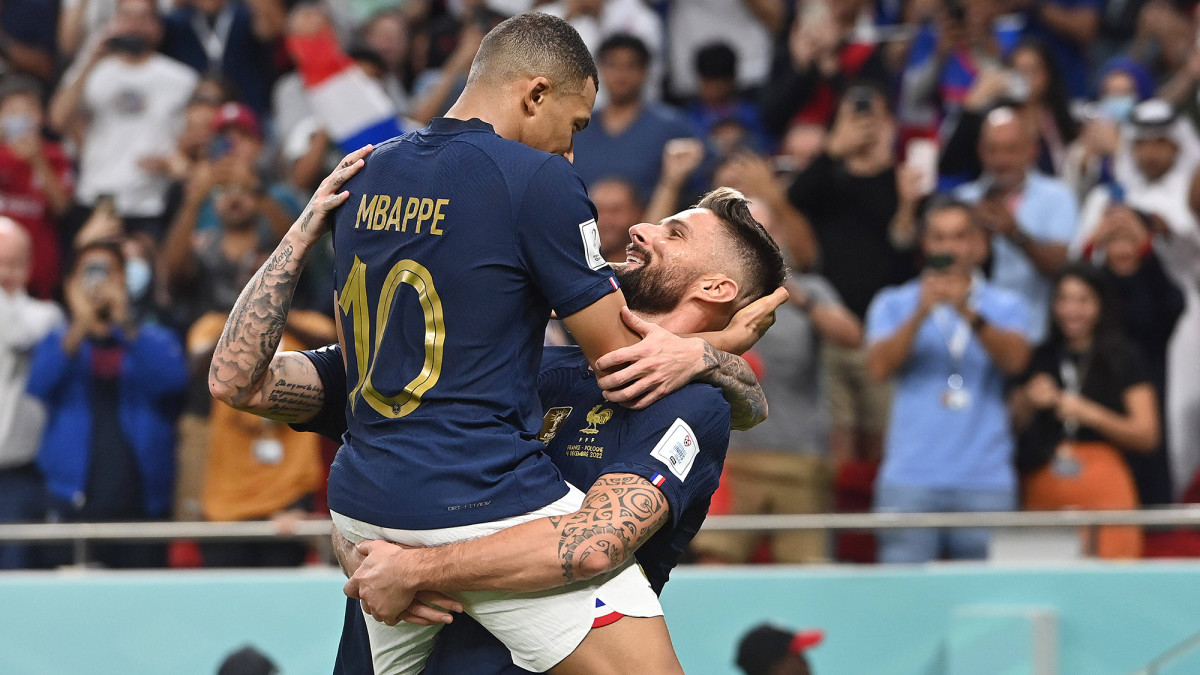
x,y
534,96
717,289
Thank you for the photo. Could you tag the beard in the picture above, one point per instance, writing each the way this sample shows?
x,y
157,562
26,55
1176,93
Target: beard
x,y
649,289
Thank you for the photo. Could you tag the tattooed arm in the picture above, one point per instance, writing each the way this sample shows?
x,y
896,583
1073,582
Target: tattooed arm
x,y
738,384
246,371
620,512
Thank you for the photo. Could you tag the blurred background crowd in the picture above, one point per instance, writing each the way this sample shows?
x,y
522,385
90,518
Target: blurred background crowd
x,y
989,207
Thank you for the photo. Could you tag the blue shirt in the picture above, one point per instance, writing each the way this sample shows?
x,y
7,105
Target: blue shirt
x,y
1071,59
930,444
1047,211
246,61
635,154
453,248
690,426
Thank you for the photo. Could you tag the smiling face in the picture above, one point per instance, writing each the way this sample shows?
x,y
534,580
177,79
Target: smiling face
x,y
1076,309
665,260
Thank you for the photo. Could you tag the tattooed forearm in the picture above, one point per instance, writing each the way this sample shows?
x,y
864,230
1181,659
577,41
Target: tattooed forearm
x,y
619,513
740,387
245,354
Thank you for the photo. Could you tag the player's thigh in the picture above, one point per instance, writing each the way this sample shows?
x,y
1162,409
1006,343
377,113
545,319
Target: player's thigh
x,y
630,645
401,649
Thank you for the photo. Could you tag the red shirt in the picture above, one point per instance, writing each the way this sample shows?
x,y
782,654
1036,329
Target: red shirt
x,y
23,198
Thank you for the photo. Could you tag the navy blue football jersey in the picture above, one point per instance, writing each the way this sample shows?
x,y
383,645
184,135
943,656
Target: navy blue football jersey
x,y
451,252
678,444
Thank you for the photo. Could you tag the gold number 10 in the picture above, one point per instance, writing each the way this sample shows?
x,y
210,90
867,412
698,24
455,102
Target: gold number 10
x,y
353,301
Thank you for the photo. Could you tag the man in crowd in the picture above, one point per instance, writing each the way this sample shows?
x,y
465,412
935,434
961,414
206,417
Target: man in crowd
x,y
948,339
24,322
1031,216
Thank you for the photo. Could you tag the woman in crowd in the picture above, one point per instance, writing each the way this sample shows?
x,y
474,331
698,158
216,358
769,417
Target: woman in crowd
x,y
1087,398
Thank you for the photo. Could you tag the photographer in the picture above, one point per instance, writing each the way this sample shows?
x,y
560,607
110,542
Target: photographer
x,y
948,339
110,389
124,102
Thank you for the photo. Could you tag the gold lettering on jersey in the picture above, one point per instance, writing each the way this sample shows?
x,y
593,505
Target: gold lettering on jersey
x,y
551,422
385,212
595,418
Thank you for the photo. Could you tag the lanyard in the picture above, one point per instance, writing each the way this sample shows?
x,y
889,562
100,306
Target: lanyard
x,y
213,39
1073,376
957,334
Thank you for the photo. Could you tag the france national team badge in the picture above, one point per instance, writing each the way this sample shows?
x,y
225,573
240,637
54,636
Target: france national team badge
x,y
552,421
591,244
677,449
657,480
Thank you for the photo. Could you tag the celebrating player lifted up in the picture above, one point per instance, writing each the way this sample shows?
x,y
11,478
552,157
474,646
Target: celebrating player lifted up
x,y
457,242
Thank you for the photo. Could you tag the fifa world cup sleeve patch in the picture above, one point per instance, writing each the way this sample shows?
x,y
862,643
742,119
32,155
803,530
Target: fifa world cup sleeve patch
x,y
591,245
678,449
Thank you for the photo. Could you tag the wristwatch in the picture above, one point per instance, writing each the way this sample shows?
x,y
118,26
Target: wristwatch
x,y
978,322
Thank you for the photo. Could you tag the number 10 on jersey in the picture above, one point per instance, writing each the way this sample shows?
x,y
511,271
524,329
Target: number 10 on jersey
x,y
354,304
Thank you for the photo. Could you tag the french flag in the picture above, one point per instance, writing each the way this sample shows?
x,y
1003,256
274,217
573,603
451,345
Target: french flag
x,y
657,480
354,108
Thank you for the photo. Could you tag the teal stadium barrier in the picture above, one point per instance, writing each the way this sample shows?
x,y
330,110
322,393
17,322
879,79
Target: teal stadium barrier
x,y
941,620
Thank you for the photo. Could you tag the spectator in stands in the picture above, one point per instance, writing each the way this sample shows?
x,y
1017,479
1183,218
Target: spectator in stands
x,y
1031,216
1091,158
1067,28
128,100
110,388
718,101
782,465
749,26
626,137
771,650
257,469
1086,399
599,20
618,208
1153,174
858,159
35,178
1149,304
24,322
236,38
27,39
386,34
82,23
819,59
948,339
1047,105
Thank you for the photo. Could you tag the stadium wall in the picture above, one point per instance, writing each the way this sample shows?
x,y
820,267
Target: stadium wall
x,y
1107,618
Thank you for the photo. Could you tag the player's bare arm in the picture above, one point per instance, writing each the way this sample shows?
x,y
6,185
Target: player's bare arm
x,y
246,372
619,513
639,373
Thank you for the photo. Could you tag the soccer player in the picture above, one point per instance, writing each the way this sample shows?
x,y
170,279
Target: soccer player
x,y
662,462
456,244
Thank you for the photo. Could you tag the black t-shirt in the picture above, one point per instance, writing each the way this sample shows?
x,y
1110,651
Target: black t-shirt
x,y
1105,376
114,485
850,216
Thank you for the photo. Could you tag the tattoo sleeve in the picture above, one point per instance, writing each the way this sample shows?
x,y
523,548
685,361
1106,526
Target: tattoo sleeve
x,y
619,513
246,373
740,387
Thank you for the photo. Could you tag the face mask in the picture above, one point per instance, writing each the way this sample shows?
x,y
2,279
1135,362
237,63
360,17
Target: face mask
x,y
137,277
15,126
1117,108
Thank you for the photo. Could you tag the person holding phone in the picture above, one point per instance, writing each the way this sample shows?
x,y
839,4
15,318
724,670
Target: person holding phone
x,y
948,339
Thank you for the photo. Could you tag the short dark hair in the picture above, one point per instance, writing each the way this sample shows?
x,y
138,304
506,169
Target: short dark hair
x,y
537,44
625,41
942,202
752,245
716,61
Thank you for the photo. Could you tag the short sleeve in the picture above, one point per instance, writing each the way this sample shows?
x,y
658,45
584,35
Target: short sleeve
x,y
679,445
558,241
884,315
330,422
819,289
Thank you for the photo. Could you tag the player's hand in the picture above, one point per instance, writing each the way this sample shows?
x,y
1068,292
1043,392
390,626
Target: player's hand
x,y
750,323
346,553
658,365
312,223
381,582
430,608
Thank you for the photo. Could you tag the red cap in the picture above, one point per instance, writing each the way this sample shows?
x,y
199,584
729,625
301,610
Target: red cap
x,y
239,116
805,640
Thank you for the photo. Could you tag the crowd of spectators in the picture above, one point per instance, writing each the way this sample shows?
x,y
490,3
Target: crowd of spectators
x,y
991,209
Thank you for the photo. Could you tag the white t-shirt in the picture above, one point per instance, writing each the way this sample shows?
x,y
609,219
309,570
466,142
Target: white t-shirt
x,y
136,111
694,24
24,321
